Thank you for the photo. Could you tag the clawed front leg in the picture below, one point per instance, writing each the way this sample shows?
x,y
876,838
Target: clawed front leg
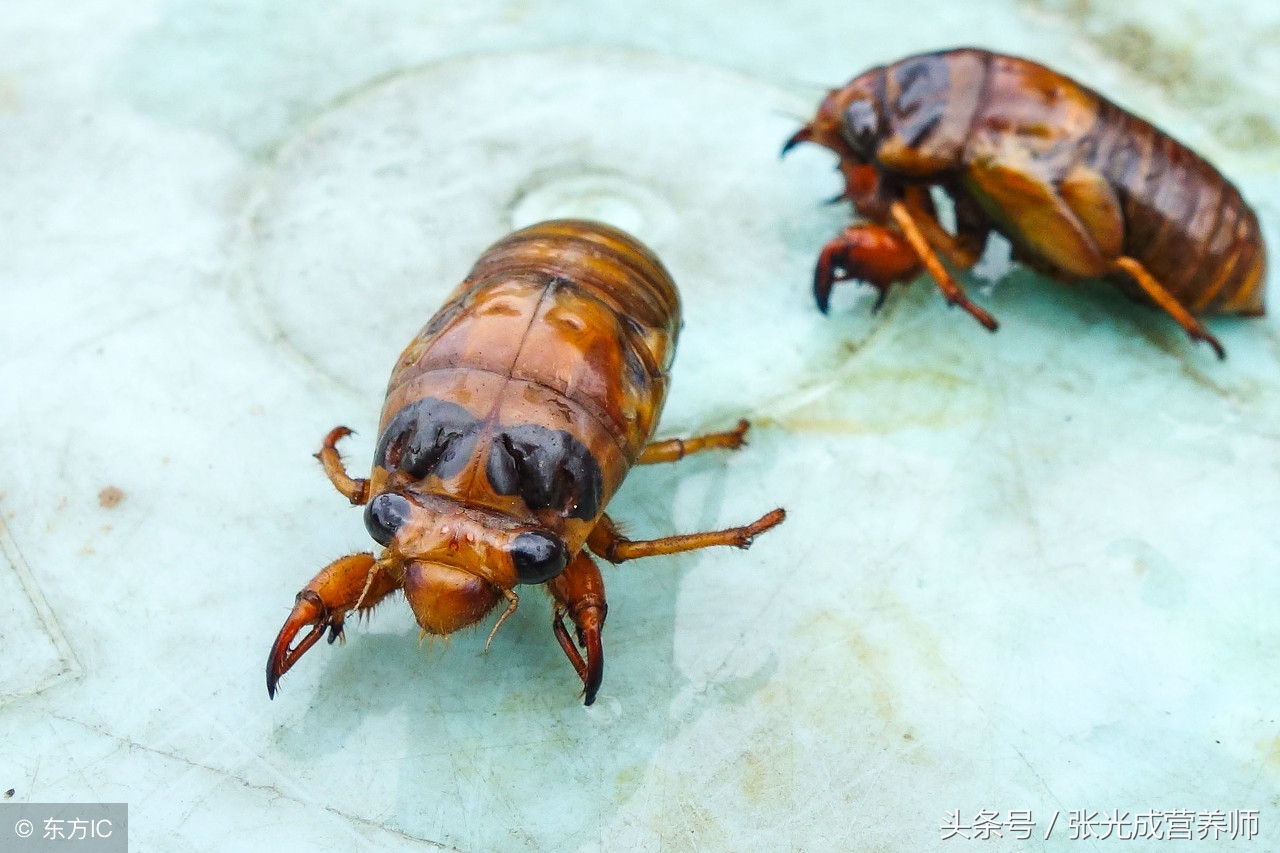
x,y
579,594
349,583
872,253
355,490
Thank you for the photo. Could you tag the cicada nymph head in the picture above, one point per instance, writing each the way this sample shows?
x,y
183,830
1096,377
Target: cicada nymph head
x,y
851,122
455,563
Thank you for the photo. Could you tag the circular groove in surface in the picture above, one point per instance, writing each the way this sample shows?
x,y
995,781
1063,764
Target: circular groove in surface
x,y
374,213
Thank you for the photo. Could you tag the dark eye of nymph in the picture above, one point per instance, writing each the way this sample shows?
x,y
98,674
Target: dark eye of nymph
x,y
384,515
538,556
861,128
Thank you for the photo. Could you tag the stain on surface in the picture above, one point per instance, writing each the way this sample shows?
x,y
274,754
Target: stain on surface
x,y
885,399
110,497
1163,586
9,102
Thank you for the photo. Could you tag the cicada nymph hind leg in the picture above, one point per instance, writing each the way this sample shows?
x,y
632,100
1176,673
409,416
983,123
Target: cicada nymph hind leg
x,y
608,543
579,590
675,449
1168,303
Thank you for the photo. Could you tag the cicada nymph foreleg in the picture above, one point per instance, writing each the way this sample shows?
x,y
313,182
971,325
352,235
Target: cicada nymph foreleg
x,y
349,583
579,594
869,253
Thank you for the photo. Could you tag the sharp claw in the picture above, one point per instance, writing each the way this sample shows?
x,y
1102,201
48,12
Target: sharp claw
x,y
566,644
822,294
331,440
591,671
804,134
338,433
307,610
824,278
589,634
880,297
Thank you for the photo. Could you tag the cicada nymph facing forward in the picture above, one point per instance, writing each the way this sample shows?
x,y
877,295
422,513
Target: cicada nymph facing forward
x,y
510,421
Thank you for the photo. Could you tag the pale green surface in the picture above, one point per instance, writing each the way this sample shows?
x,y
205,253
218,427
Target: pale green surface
x,y
1035,570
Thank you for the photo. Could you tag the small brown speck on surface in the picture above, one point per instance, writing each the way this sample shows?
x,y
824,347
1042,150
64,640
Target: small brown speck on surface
x,y
110,496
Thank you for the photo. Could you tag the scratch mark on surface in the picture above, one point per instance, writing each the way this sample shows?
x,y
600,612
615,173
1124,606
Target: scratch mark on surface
x,y
71,756
70,665
122,327
373,824
274,791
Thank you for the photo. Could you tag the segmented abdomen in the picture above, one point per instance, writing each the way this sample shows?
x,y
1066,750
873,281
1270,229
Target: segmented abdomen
x,y
538,383
1184,221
